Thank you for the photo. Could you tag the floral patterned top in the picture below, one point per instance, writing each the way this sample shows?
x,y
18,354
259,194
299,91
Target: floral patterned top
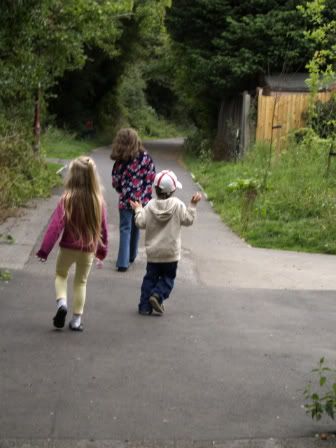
x,y
133,179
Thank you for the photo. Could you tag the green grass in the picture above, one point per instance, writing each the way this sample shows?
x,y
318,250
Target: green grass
x,y
60,144
295,210
161,128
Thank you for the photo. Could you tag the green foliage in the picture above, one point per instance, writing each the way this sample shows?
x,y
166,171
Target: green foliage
x,y
49,37
321,402
321,18
250,185
98,89
198,144
249,190
323,120
296,210
5,275
129,107
222,47
6,239
23,176
57,143
42,41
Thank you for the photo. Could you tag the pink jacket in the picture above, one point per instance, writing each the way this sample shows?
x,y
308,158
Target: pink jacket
x,y
57,225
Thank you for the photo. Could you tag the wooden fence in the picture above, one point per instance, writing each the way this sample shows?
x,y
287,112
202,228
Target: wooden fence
x,y
277,115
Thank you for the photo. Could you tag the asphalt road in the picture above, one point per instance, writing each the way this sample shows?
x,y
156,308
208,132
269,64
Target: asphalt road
x,y
226,363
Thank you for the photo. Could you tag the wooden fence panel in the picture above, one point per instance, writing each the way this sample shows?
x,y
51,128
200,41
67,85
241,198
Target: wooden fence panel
x,y
278,115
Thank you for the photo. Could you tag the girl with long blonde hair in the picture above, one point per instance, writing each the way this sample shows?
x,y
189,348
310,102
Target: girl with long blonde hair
x,y
81,216
133,173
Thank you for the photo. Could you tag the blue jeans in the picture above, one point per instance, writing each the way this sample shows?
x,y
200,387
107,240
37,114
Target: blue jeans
x,y
129,238
159,281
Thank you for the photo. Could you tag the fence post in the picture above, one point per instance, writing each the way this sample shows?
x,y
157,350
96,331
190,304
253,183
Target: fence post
x,y
37,120
245,122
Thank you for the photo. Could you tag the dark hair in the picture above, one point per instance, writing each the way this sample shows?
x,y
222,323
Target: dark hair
x,y
161,195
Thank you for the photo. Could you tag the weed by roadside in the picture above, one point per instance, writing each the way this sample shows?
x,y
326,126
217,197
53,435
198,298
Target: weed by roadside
x,y
5,275
320,393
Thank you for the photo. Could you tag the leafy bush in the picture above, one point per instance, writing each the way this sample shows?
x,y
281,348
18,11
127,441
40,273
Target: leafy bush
x,y
198,144
23,175
323,120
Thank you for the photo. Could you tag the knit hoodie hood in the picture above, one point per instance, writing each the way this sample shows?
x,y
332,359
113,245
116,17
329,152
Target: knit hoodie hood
x,y
163,209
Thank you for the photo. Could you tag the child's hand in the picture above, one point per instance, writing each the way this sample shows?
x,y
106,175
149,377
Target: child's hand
x,y
135,204
196,198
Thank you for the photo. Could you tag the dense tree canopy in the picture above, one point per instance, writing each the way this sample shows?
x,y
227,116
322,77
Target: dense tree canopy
x,y
43,41
223,46
40,40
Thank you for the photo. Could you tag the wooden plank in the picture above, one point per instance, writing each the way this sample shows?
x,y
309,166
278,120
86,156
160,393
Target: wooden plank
x,y
288,112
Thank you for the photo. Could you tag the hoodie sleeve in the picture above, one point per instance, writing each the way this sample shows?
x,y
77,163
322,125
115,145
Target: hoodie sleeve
x,y
187,214
53,232
140,217
101,251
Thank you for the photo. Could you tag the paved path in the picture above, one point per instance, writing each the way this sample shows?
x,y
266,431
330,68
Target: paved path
x,y
226,363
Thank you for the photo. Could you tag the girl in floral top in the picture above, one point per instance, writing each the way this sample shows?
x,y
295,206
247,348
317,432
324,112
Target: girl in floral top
x,y
132,176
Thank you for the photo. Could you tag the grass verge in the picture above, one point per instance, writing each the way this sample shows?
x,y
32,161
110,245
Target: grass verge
x,y
56,143
293,202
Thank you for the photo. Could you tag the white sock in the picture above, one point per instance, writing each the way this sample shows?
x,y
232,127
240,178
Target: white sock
x,y
76,320
61,302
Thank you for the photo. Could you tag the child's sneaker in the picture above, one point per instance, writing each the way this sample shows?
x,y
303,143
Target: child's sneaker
x,y
157,305
144,311
73,327
76,323
59,318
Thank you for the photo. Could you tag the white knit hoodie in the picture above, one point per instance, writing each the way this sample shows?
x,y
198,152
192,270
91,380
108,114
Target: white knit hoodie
x,y
162,219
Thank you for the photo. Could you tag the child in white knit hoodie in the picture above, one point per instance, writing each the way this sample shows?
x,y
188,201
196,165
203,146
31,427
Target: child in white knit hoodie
x,y
162,218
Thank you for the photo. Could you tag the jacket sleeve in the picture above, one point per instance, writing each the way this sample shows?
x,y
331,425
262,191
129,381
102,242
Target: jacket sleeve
x,y
140,217
101,251
116,177
53,232
150,173
187,214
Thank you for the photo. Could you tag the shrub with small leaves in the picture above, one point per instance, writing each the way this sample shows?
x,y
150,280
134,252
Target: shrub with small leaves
x,y
321,401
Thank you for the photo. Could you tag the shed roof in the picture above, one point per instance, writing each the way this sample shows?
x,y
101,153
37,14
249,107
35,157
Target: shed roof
x,y
291,82
288,82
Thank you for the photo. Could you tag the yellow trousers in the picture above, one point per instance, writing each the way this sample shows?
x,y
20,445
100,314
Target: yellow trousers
x,y
83,261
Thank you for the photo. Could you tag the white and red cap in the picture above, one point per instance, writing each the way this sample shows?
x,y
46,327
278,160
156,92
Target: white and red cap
x,y
167,181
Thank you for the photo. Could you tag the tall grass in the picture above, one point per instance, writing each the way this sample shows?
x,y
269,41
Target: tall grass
x,y
295,209
60,144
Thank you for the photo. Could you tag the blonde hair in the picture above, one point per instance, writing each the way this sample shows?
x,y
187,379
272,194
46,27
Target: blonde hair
x,y
126,145
83,202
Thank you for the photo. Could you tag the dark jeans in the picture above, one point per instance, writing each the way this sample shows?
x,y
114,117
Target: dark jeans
x,y
129,238
158,280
